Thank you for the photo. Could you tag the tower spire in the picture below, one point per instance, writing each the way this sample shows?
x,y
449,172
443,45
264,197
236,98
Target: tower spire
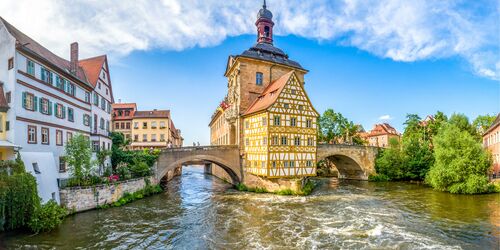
x,y
264,25
264,6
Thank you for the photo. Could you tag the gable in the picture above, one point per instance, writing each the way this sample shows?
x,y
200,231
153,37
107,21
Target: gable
x,y
294,95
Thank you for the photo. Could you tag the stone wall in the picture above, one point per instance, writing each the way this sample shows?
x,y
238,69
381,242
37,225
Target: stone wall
x,y
82,199
220,173
273,185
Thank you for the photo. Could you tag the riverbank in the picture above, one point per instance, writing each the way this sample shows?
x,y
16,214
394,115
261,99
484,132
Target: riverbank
x,y
197,211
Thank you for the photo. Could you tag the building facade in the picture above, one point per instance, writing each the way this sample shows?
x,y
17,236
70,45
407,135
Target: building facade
x,y
380,135
246,116
123,113
152,129
46,101
491,141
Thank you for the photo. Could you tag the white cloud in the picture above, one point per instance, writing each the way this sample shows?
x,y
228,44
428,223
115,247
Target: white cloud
x,y
385,118
397,29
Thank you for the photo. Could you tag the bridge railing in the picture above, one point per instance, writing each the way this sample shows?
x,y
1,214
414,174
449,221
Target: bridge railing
x,y
345,146
196,148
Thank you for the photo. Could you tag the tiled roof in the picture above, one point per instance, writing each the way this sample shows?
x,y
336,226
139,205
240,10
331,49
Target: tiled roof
x,y
3,102
152,114
494,124
269,95
24,42
267,52
382,129
124,105
92,67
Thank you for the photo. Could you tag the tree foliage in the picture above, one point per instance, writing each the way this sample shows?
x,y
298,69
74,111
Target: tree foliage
x,y
483,122
334,127
78,156
461,164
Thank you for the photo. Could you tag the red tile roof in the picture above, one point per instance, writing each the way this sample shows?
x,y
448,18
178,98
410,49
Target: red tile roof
x,y
269,95
92,67
382,129
124,105
152,114
24,42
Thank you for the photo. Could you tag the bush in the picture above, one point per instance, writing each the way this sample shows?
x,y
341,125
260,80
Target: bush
x,y
123,171
47,217
140,169
285,192
461,164
129,197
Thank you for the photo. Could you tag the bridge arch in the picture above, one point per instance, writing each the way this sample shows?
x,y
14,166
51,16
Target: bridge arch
x,y
351,161
171,161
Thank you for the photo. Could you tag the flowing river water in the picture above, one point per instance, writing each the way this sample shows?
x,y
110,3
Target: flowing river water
x,y
201,212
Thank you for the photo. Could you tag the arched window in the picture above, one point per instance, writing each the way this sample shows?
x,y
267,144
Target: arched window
x,y
266,31
259,78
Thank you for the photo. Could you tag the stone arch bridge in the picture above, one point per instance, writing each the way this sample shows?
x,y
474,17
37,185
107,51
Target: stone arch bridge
x,y
352,162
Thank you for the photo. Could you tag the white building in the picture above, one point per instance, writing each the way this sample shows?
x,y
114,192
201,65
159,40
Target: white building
x,y
49,100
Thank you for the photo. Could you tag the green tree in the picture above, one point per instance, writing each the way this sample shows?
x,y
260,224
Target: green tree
x,y
334,127
461,121
461,163
390,162
482,123
101,158
78,156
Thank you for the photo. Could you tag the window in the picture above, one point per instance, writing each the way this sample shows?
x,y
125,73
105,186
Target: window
x,y
286,105
35,168
69,136
31,134
101,123
274,164
247,142
86,120
59,83
47,76
259,78
127,113
62,165
136,125
283,140
294,91
297,141
308,163
285,164
153,137
29,101
45,106
71,115
95,146
7,126
277,120
153,124
301,107
11,63
267,31
122,125
144,125
275,140
59,137
293,121
264,141
107,126
70,88
247,124
87,96
264,121
99,85
8,96
136,137
127,125
103,103
107,91
45,135
292,164
117,125
96,99
60,111
309,123
30,67
310,141
144,137
162,137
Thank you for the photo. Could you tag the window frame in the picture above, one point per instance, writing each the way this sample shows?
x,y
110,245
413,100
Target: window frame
x,y
34,141
42,129
259,78
59,141
10,63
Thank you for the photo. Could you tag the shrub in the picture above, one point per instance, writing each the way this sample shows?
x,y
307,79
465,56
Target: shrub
x,y
47,217
140,169
123,171
461,164
285,192
308,188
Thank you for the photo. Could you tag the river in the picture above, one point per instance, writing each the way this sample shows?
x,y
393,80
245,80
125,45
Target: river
x,y
202,212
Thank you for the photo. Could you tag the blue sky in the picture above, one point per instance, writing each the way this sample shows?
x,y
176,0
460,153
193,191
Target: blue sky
x,y
367,58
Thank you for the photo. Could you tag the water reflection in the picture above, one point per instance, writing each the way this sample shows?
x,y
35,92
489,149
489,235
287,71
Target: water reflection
x,y
199,212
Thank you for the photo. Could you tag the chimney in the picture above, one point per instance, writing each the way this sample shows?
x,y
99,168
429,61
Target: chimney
x,y
74,57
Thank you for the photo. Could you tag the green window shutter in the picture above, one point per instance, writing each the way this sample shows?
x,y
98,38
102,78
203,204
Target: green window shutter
x,y
35,103
41,104
63,112
50,107
24,99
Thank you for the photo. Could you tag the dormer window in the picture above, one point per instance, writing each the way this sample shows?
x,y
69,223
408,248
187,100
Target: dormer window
x,y
259,78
